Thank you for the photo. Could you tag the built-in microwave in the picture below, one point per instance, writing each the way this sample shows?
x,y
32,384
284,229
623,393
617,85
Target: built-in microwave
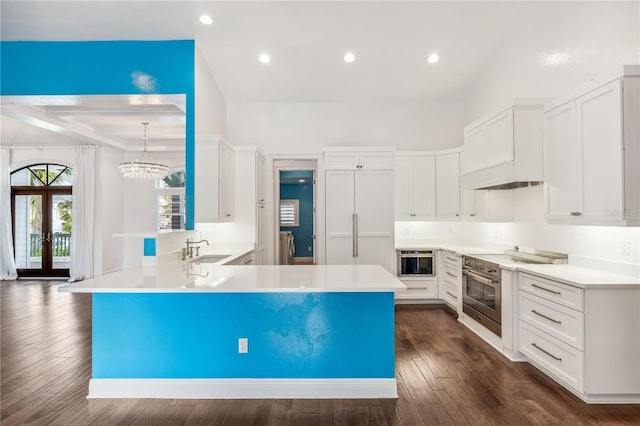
x,y
416,263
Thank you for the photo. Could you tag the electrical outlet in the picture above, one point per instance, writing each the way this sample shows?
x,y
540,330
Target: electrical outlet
x,y
309,248
625,248
243,345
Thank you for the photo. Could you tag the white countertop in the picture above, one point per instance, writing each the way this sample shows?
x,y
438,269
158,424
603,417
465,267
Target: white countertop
x,y
574,275
579,276
179,277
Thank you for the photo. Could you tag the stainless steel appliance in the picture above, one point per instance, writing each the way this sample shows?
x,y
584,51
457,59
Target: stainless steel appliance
x,y
415,263
482,293
287,248
482,286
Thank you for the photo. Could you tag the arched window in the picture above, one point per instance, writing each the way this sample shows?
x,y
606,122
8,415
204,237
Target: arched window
x,y
171,201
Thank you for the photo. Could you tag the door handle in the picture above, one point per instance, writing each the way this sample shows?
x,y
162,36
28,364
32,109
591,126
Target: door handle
x,y
354,234
48,237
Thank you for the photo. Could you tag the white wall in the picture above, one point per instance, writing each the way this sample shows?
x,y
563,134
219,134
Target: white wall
x,y
597,39
109,254
308,127
211,110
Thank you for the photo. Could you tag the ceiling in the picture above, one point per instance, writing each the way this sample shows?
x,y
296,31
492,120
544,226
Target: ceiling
x,y
305,40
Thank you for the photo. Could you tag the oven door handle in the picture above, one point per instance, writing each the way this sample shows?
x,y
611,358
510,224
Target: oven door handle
x,y
479,278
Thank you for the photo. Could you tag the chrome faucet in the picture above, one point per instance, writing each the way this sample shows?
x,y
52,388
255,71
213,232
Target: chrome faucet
x,y
189,249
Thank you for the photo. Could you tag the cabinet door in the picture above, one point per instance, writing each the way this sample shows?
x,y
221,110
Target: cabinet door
x,y
374,208
423,177
226,183
500,138
341,160
474,204
339,219
447,186
475,149
403,183
376,161
560,162
599,122
260,183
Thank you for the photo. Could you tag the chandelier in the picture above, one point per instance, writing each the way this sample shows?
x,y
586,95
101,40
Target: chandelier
x,y
141,169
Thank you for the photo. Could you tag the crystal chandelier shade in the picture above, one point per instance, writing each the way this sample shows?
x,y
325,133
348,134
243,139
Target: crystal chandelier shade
x,y
140,169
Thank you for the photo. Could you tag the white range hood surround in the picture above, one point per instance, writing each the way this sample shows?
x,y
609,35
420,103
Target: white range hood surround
x,y
504,150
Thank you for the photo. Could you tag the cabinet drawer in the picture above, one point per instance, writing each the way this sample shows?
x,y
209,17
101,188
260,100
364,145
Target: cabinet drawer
x,y
450,295
559,321
563,294
563,362
421,289
450,259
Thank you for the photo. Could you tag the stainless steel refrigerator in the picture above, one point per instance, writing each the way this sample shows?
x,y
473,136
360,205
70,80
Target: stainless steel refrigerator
x,y
287,248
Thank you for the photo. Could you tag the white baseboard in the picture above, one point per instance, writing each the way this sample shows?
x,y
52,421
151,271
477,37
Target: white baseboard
x,y
243,388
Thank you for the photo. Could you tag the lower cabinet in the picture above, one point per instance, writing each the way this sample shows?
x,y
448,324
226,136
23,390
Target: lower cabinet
x,y
419,288
247,259
587,339
449,273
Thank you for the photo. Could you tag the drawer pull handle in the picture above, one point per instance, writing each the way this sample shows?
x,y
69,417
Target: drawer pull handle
x,y
546,317
451,275
557,358
454,296
450,259
546,289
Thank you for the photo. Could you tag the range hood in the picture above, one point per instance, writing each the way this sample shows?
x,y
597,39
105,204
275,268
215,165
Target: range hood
x,y
504,150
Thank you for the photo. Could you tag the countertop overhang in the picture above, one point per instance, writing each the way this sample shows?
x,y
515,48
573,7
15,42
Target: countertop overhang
x,y
181,277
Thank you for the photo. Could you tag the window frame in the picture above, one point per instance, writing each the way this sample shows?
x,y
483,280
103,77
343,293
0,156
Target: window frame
x,y
296,212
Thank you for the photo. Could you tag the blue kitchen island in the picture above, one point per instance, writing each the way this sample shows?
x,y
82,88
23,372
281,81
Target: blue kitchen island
x,y
178,331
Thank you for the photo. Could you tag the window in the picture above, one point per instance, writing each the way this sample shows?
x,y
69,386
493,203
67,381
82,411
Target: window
x,y
289,212
171,201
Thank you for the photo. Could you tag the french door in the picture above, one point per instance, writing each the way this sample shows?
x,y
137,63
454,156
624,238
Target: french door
x,y
42,230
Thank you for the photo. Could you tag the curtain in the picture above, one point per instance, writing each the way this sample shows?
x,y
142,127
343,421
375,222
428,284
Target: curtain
x,y
7,261
82,235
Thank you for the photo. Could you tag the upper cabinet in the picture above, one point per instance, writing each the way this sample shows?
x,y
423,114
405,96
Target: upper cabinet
x,y
504,149
415,187
365,160
591,142
448,186
487,205
214,188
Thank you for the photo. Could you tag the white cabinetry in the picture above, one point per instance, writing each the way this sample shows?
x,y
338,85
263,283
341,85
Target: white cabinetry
x,y
592,155
214,174
246,259
350,160
487,205
448,186
415,187
359,214
504,147
249,205
586,339
449,274
419,289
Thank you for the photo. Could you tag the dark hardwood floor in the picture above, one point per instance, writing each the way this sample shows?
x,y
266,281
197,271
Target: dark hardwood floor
x,y
446,375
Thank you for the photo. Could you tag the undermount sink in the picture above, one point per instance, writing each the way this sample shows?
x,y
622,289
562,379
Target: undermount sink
x,y
210,259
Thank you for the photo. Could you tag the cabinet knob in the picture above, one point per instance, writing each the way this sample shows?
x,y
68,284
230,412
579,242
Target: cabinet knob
x,y
228,215
472,214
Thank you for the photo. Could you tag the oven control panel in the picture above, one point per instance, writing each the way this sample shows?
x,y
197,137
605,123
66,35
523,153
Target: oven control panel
x,y
481,266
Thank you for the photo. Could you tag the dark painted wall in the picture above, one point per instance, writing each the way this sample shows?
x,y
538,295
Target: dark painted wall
x,y
303,234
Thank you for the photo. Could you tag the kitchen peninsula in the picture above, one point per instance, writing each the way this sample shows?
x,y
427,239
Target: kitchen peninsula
x,y
178,330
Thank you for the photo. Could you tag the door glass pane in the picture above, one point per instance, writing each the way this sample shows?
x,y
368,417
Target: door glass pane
x,y
28,231
61,210
60,175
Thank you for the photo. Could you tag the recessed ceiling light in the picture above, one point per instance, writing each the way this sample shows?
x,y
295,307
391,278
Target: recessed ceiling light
x,y
206,19
349,57
433,58
264,58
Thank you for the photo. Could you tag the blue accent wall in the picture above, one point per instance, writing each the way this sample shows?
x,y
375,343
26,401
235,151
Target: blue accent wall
x,y
106,68
149,246
303,234
291,335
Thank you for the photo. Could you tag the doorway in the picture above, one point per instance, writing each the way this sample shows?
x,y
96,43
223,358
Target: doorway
x,y
41,211
296,219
